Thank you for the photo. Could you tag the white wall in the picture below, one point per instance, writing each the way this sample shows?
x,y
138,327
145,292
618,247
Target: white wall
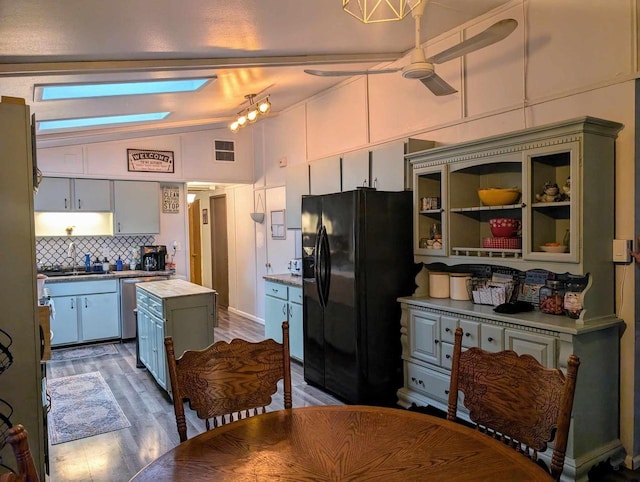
x,y
564,60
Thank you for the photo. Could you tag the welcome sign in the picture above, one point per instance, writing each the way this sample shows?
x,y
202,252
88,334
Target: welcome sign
x,y
144,160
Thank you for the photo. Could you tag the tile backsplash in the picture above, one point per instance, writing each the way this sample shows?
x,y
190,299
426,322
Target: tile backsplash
x,y
52,250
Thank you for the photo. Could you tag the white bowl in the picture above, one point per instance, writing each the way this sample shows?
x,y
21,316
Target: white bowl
x,y
553,249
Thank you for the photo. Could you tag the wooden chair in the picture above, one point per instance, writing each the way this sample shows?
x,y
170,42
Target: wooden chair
x,y
17,438
515,399
228,381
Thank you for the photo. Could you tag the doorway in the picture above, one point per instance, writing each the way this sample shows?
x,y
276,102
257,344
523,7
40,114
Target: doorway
x,y
219,248
195,243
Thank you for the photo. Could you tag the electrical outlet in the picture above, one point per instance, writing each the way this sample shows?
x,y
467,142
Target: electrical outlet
x,y
621,249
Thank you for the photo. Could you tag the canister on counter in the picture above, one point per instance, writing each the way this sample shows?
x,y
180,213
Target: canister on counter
x,y
438,284
458,286
552,297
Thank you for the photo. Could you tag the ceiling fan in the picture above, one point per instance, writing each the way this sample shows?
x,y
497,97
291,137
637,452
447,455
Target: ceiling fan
x,y
422,68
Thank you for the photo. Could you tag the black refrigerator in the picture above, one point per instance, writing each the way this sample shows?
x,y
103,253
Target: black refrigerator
x,y
358,259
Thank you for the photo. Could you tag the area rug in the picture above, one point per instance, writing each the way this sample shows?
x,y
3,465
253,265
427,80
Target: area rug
x,y
83,352
82,406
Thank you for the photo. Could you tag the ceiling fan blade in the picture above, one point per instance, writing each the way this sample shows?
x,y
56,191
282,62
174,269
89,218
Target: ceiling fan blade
x,y
498,31
348,73
438,85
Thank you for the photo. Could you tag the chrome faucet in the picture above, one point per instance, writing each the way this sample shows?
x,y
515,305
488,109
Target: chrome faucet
x,y
72,255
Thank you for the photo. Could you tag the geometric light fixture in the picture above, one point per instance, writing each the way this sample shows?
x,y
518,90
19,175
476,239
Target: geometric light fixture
x,y
373,11
250,114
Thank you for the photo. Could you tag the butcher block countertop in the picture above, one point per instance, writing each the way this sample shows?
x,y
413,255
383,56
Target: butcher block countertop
x,y
173,288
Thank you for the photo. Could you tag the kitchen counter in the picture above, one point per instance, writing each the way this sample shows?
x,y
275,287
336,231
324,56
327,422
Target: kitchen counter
x,y
173,288
287,279
136,273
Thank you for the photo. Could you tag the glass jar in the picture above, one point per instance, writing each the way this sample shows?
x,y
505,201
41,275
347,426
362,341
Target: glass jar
x,y
573,300
551,299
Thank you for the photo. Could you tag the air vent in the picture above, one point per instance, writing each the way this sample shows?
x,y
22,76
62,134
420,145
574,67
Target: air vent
x,y
225,151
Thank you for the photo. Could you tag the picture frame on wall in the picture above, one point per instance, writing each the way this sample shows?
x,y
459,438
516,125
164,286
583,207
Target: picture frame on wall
x,y
205,216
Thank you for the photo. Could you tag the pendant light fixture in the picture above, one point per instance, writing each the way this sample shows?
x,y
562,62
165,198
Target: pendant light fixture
x,y
258,216
373,11
250,114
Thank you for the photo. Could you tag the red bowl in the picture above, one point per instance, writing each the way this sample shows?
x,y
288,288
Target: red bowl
x,y
504,227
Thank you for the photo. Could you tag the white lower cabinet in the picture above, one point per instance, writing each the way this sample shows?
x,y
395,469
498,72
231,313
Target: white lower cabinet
x,y
284,303
84,311
427,335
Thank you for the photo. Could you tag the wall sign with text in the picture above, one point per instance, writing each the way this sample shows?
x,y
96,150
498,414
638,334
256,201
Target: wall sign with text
x,y
144,160
170,199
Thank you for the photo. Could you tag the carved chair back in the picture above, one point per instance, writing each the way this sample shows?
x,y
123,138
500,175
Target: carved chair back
x,y
228,381
515,399
26,470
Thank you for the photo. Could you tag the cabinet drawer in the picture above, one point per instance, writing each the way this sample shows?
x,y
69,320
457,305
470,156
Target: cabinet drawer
x,y
155,306
470,333
430,383
83,287
295,294
492,338
276,290
447,356
448,329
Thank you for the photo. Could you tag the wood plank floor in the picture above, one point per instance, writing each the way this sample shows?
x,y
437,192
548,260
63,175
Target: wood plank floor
x,y
117,456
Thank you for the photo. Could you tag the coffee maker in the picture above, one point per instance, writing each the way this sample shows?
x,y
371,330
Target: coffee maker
x,y
152,258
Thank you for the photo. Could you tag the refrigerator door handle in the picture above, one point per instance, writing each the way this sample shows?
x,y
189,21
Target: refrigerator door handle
x,y
317,265
326,265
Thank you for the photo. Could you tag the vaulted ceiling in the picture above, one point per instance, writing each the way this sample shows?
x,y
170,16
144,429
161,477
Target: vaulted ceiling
x,y
250,46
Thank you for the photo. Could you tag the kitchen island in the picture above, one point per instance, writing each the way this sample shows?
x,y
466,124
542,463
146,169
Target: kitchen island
x,y
176,308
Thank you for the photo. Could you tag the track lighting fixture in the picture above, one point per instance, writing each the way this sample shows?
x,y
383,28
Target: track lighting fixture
x,y
250,114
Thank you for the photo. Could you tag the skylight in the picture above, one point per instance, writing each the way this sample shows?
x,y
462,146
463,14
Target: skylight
x,y
82,91
99,121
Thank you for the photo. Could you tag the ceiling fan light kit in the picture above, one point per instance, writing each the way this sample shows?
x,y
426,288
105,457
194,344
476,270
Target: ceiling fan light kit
x,y
374,11
250,114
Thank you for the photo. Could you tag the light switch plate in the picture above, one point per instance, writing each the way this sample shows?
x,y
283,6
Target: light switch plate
x,y
621,249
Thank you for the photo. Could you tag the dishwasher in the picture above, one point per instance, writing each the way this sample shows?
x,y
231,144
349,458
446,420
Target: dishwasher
x,y
128,316
129,327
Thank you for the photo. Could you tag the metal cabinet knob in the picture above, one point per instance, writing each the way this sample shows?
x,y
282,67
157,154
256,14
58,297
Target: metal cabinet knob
x,y
490,339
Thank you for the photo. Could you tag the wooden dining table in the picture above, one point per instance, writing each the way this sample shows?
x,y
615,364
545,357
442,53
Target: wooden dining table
x,y
341,443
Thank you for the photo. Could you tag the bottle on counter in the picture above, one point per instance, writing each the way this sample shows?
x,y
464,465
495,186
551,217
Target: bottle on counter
x,y
87,262
119,264
105,265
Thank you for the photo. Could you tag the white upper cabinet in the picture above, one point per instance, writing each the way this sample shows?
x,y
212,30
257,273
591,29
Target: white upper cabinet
x,y
92,195
137,207
54,194
297,185
388,167
63,194
355,170
324,175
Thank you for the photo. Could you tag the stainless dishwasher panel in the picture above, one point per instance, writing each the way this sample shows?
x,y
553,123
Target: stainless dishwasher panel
x,y
128,326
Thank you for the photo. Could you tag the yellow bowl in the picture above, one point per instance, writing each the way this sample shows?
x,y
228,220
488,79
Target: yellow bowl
x,y
498,196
